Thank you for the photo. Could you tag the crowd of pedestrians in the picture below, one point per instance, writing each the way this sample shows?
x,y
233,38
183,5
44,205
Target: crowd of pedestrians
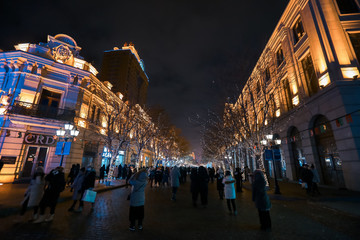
x,y
44,190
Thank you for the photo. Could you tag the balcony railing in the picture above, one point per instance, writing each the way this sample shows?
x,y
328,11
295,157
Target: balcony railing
x,y
41,111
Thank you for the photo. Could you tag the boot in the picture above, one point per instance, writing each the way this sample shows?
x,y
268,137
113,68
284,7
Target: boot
x,y
40,219
79,210
50,218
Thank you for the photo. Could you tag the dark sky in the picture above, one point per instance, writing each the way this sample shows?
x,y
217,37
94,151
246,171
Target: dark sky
x,y
193,50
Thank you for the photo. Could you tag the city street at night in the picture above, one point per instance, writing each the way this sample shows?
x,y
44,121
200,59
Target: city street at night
x,y
294,216
252,107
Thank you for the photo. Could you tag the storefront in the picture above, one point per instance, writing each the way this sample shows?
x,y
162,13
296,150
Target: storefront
x,y
106,157
34,153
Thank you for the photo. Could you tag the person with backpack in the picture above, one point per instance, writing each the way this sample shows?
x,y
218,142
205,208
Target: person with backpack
x,y
55,184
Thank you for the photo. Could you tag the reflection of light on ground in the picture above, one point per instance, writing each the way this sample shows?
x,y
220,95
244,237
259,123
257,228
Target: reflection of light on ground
x,y
1,184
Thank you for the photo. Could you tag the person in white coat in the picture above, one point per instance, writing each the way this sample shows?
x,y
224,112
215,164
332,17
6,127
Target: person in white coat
x,y
230,194
34,193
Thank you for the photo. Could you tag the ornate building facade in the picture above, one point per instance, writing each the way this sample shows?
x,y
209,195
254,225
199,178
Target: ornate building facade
x,y
310,69
43,87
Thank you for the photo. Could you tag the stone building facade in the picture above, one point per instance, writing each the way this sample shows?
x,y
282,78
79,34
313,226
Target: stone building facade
x,y
43,87
313,56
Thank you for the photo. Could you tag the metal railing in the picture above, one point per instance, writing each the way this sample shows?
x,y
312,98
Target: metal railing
x,y
41,111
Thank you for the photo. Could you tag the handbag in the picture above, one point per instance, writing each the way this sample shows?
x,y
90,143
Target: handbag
x,y
89,196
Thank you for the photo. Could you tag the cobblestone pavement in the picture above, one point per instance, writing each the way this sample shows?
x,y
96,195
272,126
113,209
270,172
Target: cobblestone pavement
x,y
292,218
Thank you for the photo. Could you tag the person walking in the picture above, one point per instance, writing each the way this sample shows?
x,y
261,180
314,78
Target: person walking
x,y
194,187
230,194
88,184
261,199
307,176
77,185
71,176
138,182
116,172
55,184
128,176
124,172
119,171
175,181
315,181
238,179
219,183
203,185
34,193
165,177
102,174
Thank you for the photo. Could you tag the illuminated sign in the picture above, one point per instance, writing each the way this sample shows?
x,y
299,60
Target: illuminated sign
x,y
38,139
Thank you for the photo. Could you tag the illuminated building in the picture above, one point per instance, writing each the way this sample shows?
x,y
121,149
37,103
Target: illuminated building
x,y
124,69
43,87
310,68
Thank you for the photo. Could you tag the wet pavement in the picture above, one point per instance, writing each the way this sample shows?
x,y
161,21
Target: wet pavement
x,y
294,216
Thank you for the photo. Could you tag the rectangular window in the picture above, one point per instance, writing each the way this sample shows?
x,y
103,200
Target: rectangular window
x,y
279,56
84,110
310,75
298,30
355,41
288,96
347,6
267,74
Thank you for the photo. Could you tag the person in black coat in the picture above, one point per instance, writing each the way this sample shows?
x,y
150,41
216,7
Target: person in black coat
x,y
124,172
203,184
238,179
194,186
102,173
307,176
88,183
119,171
219,183
55,184
261,199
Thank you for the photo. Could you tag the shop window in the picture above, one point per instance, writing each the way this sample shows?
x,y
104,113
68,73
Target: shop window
x,y
279,56
355,41
347,6
312,82
298,30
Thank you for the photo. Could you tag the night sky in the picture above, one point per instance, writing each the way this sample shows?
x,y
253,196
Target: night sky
x,y
194,51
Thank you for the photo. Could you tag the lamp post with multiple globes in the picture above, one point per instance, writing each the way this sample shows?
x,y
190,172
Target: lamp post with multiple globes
x,y
69,132
270,143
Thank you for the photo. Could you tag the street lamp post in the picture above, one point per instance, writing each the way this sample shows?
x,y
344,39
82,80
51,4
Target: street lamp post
x,y
68,132
269,142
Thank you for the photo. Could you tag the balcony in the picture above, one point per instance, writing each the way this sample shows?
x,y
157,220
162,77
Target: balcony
x,y
41,111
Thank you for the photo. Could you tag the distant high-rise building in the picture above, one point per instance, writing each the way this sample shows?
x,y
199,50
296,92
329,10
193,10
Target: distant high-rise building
x,y
124,69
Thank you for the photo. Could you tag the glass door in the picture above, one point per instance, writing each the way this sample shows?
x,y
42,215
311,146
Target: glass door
x,y
35,157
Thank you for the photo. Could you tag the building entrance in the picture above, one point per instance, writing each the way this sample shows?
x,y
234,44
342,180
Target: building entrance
x,y
35,157
329,159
